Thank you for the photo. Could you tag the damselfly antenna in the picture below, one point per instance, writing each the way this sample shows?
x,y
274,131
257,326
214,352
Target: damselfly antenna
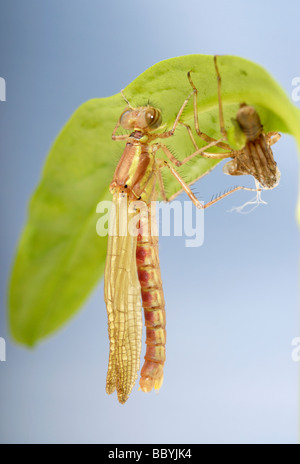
x,y
124,98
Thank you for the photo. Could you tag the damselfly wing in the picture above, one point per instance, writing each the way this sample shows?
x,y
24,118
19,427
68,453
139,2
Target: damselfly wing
x,y
122,295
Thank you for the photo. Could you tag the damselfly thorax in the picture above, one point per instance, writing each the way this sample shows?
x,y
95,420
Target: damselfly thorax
x,y
136,172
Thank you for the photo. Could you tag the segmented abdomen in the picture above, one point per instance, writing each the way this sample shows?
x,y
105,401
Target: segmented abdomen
x,y
147,260
261,163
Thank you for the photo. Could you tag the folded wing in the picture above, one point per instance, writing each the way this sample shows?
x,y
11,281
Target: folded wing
x,y
122,294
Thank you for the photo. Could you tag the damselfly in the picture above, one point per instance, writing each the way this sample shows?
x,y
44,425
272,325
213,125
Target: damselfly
x,y
132,267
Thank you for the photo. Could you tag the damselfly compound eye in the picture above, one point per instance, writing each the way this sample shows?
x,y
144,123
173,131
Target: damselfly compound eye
x,y
153,118
127,119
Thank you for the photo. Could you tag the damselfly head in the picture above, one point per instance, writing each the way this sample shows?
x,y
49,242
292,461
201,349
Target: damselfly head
x,y
146,118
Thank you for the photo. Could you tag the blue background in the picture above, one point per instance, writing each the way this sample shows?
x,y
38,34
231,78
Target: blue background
x,y
232,304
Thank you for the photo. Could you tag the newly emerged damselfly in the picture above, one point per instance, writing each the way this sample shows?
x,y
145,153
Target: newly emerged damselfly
x,y
132,268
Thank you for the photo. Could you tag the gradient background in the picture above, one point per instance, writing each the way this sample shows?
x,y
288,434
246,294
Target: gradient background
x,y
232,304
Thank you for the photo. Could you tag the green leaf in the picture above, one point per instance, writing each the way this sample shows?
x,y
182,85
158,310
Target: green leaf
x,y
60,257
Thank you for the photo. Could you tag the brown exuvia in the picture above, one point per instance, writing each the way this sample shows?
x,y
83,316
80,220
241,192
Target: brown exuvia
x,y
255,158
